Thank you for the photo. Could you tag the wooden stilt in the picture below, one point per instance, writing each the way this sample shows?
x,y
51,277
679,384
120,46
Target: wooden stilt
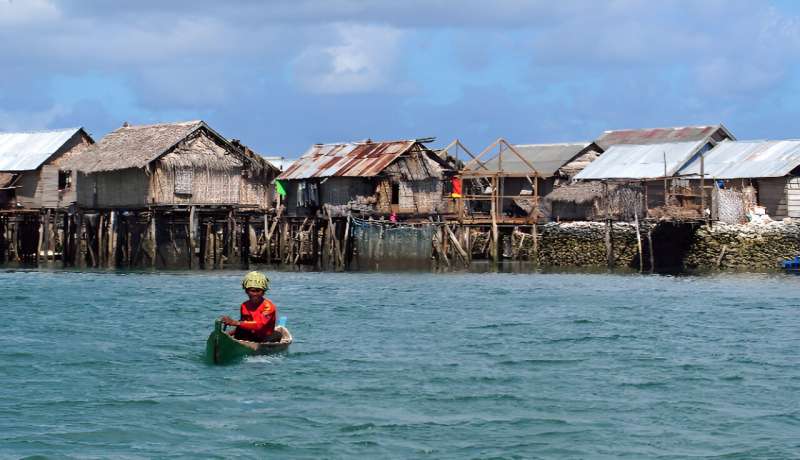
x,y
215,245
609,228
66,245
638,241
652,253
231,243
192,236
495,246
609,245
112,239
42,239
3,255
244,242
457,245
153,237
345,239
54,237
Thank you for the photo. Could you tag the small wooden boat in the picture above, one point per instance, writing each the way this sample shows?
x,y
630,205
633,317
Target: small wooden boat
x,y
221,348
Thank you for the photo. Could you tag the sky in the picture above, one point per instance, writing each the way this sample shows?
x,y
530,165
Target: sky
x,y
281,75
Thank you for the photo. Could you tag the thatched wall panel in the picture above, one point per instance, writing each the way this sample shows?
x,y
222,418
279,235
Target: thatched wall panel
x,y
422,197
216,175
255,192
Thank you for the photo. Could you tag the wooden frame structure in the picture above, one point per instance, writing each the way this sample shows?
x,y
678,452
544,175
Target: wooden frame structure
x,y
479,173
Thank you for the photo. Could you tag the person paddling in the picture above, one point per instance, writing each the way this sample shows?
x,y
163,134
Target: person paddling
x,y
257,320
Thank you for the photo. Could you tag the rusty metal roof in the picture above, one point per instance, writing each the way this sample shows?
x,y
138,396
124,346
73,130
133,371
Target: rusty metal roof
x,y
26,151
353,159
747,159
661,135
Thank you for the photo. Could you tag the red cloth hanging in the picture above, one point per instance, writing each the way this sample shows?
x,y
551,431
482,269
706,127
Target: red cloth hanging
x,y
456,181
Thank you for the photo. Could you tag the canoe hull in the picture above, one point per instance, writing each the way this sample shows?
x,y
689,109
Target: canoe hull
x,y
221,348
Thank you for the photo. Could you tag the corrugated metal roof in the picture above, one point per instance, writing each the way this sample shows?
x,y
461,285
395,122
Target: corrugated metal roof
x,y
26,151
745,159
353,159
641,161
658,135
546,158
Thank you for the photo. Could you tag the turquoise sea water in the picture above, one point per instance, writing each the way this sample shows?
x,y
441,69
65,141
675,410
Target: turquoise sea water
x,y
100,365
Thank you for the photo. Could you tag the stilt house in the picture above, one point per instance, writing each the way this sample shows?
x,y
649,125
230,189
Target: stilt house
x,y
520,181
631,173
371,178
749,173
172,164
32,172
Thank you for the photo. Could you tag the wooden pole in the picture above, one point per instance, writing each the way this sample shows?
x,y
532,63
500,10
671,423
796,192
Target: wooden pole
x,y
244,242
229,244
53,237
721,255
534,234
41,235
337,252
265,249
99,236
608,236
208,255
652,253
666,188
494,249
437,244
153,236
702,187
215,248
90,242
112,239
3,256
192,236
66,245
639,241
345,240
468,243
457,245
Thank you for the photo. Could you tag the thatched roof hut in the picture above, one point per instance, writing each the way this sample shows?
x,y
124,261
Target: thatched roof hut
x,y
173,164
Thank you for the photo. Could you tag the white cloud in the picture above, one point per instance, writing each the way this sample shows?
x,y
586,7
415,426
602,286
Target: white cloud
x,y
365,59
26,120
24,12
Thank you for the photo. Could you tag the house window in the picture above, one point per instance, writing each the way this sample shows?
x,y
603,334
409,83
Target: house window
x,y
64,179
183,181
395,193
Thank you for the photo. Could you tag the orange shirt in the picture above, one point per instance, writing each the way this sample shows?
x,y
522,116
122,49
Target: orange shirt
x,y
260,322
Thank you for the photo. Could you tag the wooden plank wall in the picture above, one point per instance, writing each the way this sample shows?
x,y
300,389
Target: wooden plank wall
x,y
772,195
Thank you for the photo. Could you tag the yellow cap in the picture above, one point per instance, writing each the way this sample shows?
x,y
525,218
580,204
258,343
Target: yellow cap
x,y
255,280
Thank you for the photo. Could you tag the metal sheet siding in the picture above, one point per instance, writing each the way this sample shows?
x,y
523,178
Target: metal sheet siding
x,y
748,159
361,159
641,161
27,151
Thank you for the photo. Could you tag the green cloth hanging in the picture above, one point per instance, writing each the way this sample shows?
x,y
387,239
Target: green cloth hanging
x,y
279,188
